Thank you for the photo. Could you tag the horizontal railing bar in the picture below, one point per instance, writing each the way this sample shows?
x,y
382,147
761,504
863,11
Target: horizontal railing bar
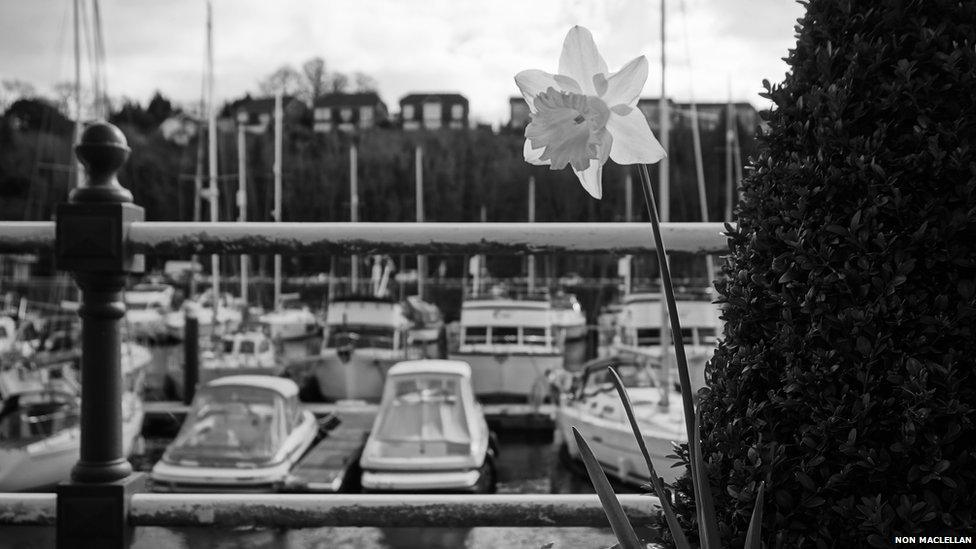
x,y
311,510
27,509
26,236
182,238
397,510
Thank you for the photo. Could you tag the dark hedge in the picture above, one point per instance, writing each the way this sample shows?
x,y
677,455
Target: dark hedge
x,y
846,377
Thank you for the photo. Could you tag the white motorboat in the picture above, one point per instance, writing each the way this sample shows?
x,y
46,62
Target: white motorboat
x,y
638,330
594,408
39,419
430,433
146,307
8,334
293,320
222,320
242,353
365,336
512,344
242,434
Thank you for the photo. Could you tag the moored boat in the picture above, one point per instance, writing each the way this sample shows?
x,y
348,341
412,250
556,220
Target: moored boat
x,y
39,419
222,320
248,352
146,307
243,434
594,408
430,433
293,320
638,330
512,344
365,336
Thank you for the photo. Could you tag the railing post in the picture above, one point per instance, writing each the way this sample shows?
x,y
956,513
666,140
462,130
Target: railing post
x,y
91,233
191,356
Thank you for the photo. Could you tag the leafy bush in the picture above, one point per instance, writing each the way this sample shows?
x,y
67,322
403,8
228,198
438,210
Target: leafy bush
x,y
846,377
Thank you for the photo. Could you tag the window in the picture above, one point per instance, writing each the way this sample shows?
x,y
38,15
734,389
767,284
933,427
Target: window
x,y
504,334
264,118
345,114
408,112
648,336
323,113
534,336
707,336
432,115
457,112
264,346
365,116
475,334
242,117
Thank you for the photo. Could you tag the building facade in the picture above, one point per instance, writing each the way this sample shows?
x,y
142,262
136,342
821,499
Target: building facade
x,y
434,111
348,112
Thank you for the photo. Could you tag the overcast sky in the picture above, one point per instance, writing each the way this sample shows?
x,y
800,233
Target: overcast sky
x,y
474,48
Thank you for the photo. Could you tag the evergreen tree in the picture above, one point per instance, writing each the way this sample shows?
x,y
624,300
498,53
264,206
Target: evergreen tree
x,y
846,376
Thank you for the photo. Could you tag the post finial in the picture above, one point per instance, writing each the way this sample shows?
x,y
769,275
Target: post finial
x,y
103,150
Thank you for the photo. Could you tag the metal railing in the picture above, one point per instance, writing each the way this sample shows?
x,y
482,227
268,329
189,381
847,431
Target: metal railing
x,y
360,510
178,238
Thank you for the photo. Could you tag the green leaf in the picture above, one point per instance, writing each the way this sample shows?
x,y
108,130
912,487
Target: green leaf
x,y
680,541
621,526
708,521
754,534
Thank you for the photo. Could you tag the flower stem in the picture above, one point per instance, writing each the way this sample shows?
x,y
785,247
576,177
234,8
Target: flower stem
x,y
679,348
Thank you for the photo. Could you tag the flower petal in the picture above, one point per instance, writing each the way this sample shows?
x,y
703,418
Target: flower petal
x,y
580,59
633,141
592,179
533,156
533,82
624,86
568,84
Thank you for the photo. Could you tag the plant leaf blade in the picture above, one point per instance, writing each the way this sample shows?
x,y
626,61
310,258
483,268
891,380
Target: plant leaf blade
x,y
754,534
621,526
680,541
708,525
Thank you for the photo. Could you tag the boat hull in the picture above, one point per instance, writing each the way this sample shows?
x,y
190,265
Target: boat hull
x,y
360,376
510,376
47,462
616,449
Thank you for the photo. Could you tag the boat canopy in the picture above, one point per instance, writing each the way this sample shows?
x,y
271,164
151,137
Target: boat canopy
x,y
424,408
231,423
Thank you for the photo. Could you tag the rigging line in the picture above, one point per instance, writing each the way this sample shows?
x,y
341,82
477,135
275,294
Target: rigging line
x,y
100,59
89,50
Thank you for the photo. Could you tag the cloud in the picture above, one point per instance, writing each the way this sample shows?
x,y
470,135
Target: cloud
x,y
439,45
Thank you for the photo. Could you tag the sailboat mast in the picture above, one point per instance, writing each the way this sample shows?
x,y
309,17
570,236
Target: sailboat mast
x,y
212,153
419,177
353,212
665,215
277,192
242,200
729,182
530,262
76,180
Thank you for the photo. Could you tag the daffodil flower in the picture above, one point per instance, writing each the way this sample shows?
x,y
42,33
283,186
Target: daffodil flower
x,y
585,114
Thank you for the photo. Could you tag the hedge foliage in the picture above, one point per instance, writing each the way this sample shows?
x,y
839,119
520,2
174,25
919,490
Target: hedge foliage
x,y
846,376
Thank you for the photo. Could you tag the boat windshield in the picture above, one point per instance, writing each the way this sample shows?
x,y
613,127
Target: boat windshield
x,y
425,409
230,424
36,414
365,336
632,374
